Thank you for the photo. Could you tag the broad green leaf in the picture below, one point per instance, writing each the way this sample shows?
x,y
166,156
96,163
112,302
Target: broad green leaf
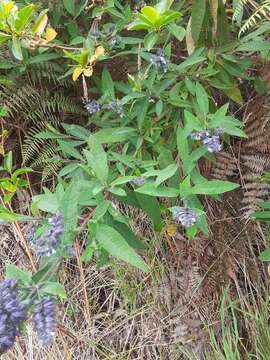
x,y
54,288
159,107
14,272
166,173
150,40
150,13
16,48
114,243
150,205
125,231
122,180
97,159
68,206
107,83
117,191
265,255
261,215
202,99
163,5
23,17
214,187
197,18
177,31
70,6
151,189
114,135
4,37
69,150
43,57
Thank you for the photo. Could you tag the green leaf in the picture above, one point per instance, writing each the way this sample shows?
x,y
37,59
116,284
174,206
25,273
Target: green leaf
x,y
177,31
151,189
166,173
202,99
8,160
150,205
265,255
23,17
150,40
114,135
42,57
122,180
70,6
150,13
214,187
261,215
14,272
114,243
68,206
159,107
4,37
117,191
197,18
54,288
163,5
107,83
97,159
16,48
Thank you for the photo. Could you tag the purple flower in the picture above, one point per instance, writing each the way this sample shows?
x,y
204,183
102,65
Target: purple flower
x,y
44,319
210,138
115,40
12,314
48,242
92,106
186,216
138,181
159,61
115,106
199,135
212,143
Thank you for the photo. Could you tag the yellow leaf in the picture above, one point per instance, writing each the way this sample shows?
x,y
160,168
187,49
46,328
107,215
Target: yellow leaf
x,y
50,34
8,7
170,230
2,150
76,73
88,71
100,51
41,25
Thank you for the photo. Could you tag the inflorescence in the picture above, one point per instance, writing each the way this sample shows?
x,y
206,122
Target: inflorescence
x,y
44,319
138,181
12,314
159,61
186,216
211,139
92,106
48,242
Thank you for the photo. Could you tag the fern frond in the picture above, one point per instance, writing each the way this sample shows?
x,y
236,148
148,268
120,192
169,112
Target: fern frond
x,y
238,10
261,13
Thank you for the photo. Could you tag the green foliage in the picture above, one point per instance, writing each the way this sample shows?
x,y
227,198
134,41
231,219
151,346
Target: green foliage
x,y
134,139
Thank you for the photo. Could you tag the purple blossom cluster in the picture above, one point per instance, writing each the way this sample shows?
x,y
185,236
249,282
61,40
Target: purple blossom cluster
x,y
12,314
44,319
92,106
115,106
186,216
48,242
211,139
159,61
138,181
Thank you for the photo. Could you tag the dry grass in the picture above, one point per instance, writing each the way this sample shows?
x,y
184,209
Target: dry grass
x,y
162,315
